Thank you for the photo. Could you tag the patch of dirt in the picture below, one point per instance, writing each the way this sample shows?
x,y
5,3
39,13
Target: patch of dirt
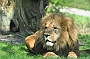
x,y
12,38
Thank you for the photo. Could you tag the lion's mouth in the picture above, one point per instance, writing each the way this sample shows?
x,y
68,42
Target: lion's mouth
x,y
50,43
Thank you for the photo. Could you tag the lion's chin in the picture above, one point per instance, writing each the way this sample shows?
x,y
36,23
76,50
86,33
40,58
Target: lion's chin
x,y
49,43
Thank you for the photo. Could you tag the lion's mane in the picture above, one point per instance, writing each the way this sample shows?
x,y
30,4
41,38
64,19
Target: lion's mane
x,y
66,42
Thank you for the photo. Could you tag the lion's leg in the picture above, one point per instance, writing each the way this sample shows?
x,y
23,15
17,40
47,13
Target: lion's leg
x,y
30,41
72,54
50,54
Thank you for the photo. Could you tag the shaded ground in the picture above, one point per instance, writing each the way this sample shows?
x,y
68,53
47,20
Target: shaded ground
x,y
12,38
17,39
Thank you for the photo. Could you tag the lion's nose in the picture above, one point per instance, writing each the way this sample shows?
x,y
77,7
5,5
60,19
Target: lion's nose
x,y
46,35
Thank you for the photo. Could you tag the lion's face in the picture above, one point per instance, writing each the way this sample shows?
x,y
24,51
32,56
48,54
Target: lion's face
x,y
52,32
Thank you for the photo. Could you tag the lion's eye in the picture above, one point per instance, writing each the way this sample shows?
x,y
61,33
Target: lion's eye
x,y
55,29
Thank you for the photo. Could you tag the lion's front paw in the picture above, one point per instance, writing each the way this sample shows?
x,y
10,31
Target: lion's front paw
x,y
50,54
72,55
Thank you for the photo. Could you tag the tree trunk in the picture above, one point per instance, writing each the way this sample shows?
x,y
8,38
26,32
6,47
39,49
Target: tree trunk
x,y
26,15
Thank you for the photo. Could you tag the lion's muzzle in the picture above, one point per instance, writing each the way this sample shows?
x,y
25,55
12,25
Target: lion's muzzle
x,y
49,41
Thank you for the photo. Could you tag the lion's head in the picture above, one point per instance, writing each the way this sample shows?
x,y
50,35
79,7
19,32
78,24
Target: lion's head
x,y
57,32
52,31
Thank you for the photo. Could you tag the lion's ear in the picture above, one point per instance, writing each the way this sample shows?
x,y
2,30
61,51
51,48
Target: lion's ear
x,y
71,28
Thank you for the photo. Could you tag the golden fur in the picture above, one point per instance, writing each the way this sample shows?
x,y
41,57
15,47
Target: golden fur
x,y
57,34
30,41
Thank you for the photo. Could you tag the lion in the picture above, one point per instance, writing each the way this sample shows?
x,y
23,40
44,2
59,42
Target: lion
x,y
6,13
57,36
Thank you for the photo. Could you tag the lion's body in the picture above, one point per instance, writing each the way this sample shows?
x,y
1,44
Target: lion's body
x,y
57,34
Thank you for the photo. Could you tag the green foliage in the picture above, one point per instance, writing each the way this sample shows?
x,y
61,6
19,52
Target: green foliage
x,y
61,2
52,8
81,4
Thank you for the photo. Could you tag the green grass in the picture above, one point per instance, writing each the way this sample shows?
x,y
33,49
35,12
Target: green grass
x,y
16,51
86,40
19,51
